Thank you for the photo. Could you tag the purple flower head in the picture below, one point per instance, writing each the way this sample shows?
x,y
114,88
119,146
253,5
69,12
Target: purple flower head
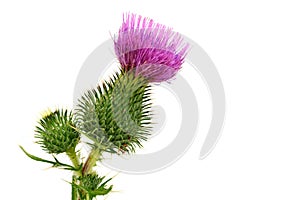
x,y
149,49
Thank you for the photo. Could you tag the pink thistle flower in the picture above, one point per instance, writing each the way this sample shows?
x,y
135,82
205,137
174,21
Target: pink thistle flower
x,y
149,49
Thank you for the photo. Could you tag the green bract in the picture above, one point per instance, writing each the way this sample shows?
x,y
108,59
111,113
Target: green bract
x,y
116,115
93,185
56,132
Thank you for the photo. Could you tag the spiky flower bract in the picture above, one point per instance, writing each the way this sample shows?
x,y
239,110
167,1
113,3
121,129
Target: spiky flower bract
x,y
115,116
56,133
93,185
150,49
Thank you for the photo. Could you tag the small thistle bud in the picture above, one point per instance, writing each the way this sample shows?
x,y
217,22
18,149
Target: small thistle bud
x,y
92,181
94,185
56,132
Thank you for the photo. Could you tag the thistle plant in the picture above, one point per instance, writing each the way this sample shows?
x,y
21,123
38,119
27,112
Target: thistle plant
x,y
115,115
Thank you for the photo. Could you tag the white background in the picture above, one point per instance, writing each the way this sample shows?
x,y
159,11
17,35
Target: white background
x,y
255,46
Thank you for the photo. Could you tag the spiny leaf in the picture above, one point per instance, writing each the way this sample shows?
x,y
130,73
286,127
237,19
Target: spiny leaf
x,y
55,163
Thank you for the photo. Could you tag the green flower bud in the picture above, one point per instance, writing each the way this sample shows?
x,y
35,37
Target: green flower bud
x,y
56,132
94,185
116,115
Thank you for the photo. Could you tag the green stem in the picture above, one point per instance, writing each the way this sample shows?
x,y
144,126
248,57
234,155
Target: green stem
x,y
75,160
91,161
74,189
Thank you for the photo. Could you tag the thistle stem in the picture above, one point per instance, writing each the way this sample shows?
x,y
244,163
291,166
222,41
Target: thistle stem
x,y
91,161
75,161
74,189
